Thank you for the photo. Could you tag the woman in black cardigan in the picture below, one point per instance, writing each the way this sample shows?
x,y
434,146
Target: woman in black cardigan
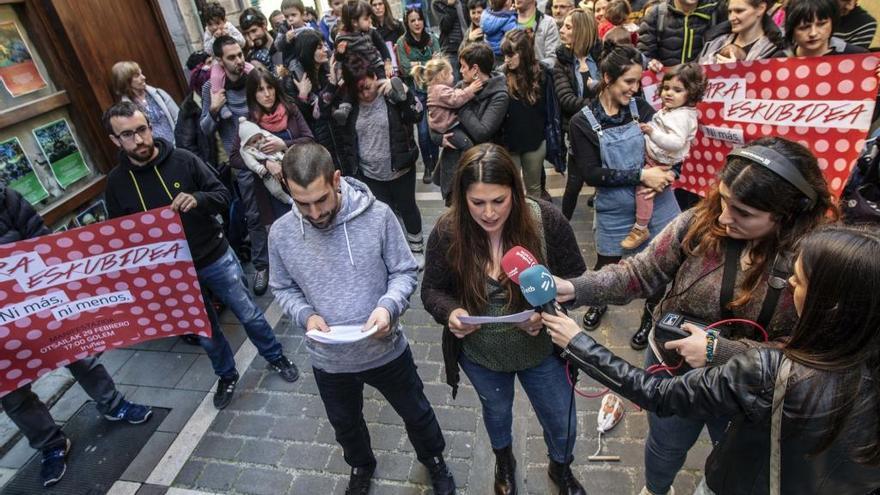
x,y
490,215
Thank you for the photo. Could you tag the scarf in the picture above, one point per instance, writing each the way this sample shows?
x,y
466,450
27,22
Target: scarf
x,y
275,121
420,44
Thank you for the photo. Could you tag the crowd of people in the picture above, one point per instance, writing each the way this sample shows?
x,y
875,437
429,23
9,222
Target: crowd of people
x,y
296,149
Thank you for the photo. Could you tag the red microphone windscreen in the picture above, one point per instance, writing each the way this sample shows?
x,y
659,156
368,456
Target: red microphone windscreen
x,y
516,260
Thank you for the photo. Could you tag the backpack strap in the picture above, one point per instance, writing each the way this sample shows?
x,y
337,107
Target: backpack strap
x,y
779,389
777,281
732,252
662,12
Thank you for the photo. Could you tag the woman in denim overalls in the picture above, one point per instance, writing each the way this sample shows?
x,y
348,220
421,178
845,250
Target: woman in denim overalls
x,y
609,150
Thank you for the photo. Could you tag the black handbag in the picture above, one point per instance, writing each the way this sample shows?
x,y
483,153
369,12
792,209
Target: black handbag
x,y
860,201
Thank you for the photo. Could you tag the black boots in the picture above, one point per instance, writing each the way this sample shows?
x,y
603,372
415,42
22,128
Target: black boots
x,y
593,316
359,481
563,477
505,471
441,479
640,339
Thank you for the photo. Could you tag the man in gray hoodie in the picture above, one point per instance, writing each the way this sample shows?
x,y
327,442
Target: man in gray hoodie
x,y
340,258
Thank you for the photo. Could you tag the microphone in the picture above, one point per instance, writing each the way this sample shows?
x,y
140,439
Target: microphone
x,y
539,288
516,260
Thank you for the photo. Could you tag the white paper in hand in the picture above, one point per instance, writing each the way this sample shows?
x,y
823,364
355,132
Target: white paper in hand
x,y
341,334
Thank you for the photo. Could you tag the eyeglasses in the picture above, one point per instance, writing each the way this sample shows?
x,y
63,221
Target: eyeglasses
x,y
140,131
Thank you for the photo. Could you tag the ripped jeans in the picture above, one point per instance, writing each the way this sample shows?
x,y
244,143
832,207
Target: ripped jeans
x,y
549,392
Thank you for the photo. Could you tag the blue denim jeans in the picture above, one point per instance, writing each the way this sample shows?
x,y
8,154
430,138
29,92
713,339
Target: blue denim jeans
x,y
429,150
548,391
225,278
669,440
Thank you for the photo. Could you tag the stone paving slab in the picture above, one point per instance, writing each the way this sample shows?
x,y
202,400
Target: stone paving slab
x,y
275,438
278,432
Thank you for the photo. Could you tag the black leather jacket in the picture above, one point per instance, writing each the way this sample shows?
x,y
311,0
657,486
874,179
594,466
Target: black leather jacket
x,y
743,389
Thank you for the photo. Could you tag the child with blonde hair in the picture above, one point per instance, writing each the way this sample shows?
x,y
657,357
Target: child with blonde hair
x,y
444,99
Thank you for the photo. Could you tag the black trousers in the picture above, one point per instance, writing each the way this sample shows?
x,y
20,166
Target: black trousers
x,y
400,195
398,381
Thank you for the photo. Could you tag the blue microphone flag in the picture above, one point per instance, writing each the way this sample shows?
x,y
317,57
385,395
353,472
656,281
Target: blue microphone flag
x,y
537,285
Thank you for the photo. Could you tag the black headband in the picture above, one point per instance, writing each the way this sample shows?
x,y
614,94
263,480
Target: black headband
x,y
778,164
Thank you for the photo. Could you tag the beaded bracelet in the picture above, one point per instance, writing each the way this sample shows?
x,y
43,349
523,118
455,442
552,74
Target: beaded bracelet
x,y
711,341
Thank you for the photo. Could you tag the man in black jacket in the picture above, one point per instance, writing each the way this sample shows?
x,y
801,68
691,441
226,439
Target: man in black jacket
x,y
19,221
672,32
152,174
453,16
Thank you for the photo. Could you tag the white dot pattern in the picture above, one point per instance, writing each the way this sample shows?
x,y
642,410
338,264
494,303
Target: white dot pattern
x,y
167,298
820,78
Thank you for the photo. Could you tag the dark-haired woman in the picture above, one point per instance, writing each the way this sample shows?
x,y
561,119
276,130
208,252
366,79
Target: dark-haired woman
x,y
416,48
314,85
390,29
526,112
270,108
376,146
724,259
576,77
482,117
809,26
489,215
608,148
824,382
749,28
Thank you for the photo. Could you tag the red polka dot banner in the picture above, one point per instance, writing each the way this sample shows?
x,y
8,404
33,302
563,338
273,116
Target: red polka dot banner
x,y
824,103
69,295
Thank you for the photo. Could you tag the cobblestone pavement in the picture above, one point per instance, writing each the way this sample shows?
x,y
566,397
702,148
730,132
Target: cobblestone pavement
x,y
274,438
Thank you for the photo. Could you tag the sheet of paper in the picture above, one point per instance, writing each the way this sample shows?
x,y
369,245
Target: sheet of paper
x,y
514,318
342,334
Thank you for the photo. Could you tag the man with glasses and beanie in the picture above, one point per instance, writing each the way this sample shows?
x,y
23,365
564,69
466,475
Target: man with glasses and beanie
x,y
152,174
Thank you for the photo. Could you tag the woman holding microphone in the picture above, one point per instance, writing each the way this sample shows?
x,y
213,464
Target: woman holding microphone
x,y
489,215
725,259
805,412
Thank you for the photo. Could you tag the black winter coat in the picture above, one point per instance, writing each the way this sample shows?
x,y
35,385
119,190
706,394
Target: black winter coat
x,y
682,36
189,136
401,119
451,35
18,219
321,127
742,388
390,35
564,73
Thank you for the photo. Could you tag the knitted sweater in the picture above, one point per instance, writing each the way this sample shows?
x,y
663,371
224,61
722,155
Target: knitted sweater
x,y
441,291
698,277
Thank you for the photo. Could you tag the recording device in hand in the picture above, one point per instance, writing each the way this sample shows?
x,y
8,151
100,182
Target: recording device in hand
x,y
516,260
539,288
669,327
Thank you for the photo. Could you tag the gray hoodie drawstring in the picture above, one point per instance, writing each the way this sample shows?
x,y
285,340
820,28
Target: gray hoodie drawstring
x,y
348,242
